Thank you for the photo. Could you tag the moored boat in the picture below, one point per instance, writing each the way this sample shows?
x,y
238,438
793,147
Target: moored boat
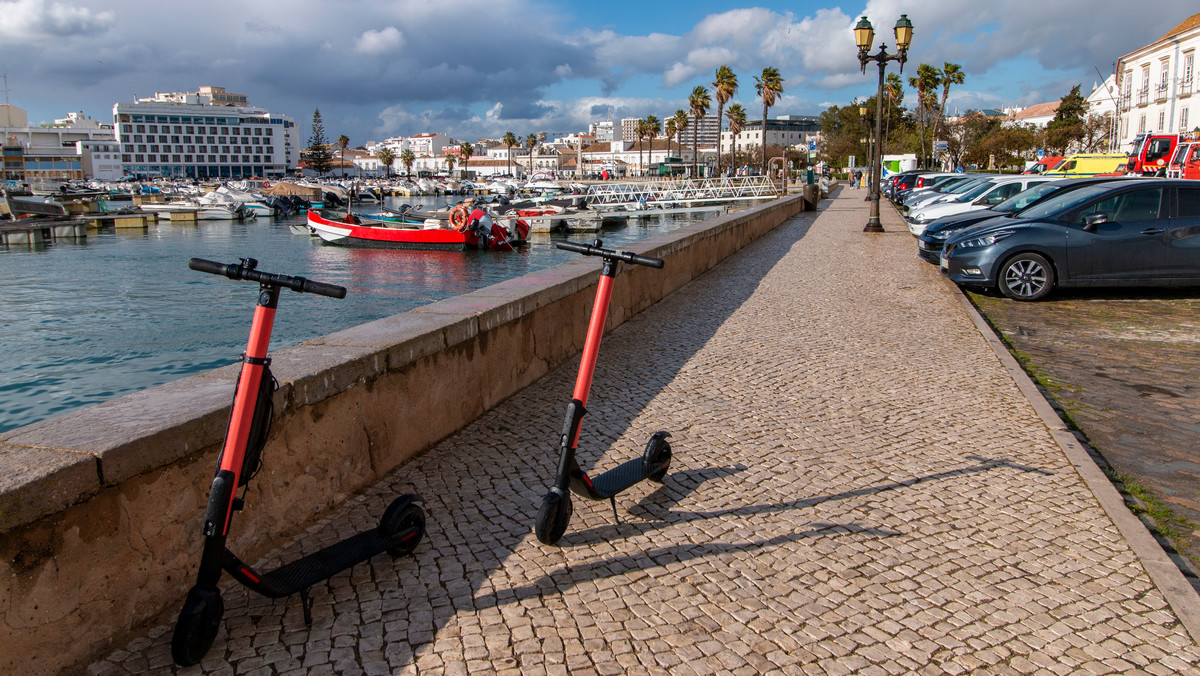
x,y
479,232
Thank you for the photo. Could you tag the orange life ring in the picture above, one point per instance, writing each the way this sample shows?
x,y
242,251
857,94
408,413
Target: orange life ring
x,y
458,218
266,184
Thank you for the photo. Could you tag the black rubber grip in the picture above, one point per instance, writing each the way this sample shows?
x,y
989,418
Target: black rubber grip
x,y
321,288
627,256
242,272
211,267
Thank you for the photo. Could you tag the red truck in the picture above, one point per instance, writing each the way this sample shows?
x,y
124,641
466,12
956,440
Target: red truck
x,y
1151,153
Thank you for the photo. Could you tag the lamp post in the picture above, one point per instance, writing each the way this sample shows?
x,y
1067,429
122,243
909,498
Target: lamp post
x,y
864,35
866,141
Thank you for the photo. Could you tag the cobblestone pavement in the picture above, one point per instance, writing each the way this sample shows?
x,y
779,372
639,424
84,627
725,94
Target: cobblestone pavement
x,y
1122,363
858,486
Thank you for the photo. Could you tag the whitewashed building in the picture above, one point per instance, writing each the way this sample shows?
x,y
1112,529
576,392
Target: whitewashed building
x,y
1159,91
54,152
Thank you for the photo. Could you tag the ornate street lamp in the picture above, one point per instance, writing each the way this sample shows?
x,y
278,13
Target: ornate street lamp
x,y
864,35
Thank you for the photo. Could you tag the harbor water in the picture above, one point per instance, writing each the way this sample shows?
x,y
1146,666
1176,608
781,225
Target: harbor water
x,y
91,320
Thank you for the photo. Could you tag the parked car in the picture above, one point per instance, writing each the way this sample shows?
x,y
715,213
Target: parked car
x,y
1180,158
945,192
987,194
933,239
1143,232
904,182
1043,165
1090,164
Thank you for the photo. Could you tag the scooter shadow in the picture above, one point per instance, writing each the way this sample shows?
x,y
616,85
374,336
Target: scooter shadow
x,y
656,508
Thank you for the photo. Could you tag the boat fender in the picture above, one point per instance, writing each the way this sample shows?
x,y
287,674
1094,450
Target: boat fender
x,y
458,218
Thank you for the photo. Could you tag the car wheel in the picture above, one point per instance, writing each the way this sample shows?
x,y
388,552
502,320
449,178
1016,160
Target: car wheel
x,y
1026,277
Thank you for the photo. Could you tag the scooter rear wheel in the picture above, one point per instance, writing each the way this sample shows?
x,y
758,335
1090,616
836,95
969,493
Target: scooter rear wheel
x,y
197,626
658,452
553,518
403,523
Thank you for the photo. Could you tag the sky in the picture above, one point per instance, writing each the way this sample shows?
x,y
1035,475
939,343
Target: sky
x,y
479,68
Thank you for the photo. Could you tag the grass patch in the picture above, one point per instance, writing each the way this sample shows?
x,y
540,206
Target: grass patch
x,y
1157,516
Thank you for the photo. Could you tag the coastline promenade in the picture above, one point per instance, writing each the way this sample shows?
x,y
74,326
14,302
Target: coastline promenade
x,y
862,482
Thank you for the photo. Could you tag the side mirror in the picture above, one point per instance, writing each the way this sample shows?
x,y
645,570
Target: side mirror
x,y
1092,220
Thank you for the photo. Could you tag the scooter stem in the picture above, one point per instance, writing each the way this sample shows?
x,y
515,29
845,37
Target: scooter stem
x,y
591,345
253,365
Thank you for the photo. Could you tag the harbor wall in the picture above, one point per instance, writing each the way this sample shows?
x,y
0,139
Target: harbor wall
x,y
101,508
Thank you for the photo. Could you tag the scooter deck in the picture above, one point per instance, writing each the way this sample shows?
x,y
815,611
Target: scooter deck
x,y
309,570
620,477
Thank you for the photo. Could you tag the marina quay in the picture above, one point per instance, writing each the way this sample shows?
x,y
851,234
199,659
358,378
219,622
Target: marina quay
x,y
811,518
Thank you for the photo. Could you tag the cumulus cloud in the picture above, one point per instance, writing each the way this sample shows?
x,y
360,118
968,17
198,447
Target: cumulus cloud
x,y
28,20
376,42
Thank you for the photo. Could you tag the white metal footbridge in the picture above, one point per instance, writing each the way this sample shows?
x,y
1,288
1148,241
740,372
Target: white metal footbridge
x,y
683,192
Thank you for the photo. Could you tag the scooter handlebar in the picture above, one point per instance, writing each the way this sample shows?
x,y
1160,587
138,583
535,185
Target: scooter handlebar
x,y
245,271
597,250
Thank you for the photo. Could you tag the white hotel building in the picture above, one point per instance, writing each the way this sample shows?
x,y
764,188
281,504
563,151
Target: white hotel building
x,y
209,134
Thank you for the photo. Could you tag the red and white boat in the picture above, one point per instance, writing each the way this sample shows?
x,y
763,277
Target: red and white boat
x,y
479,231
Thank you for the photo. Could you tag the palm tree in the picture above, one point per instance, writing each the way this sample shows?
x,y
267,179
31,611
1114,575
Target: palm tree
x,y
387,157
450,164
407,157
468,151
926,83
724,87
670,130
698,102
639,130
531,143
653,128
343,143
769,86
510,140
951,74
894,90
737,122
681,125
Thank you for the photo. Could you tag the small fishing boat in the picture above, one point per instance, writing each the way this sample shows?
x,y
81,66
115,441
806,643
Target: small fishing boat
x,y
479,231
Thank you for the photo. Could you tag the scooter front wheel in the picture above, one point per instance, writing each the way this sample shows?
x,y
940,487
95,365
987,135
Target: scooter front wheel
x,y
197,626
553,518
403,524
657,458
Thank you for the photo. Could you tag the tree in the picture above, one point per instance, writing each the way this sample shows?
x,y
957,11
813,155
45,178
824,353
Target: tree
x,y
737,122
725,86
699,102
893,91
320,159
531,142
407,157
387,157
669,130
681,125
467,151
769,86
510,140
648,129
343,143
926,83
450,163
951,74
1067,127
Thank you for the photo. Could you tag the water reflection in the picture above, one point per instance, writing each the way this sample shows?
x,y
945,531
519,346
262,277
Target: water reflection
x,y
85,321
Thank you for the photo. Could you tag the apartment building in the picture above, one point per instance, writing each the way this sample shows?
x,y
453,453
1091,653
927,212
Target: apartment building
x,y
1159,91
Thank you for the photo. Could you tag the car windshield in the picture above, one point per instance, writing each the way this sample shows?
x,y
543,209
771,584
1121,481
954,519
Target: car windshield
x,y
1026,197
978,190
1065,201
953,182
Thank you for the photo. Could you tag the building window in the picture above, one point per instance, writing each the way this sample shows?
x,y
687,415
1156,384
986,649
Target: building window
x,y
1162,119
1183,115
1189,62
1142,124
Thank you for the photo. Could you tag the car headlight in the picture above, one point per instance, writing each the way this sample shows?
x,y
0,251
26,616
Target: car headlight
x,y
940,234
986,240
920,218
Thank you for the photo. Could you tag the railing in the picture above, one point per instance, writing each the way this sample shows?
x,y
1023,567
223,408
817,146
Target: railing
x,y
1143,96
675,191
1160,92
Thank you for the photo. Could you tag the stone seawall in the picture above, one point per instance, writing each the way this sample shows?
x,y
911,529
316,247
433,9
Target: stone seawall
x,y
100,509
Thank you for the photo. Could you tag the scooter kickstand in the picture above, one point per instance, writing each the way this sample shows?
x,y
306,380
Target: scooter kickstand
x,y
306,604
617,517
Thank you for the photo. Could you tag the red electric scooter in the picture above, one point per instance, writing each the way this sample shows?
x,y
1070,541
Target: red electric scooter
x,y
398,533
555,513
